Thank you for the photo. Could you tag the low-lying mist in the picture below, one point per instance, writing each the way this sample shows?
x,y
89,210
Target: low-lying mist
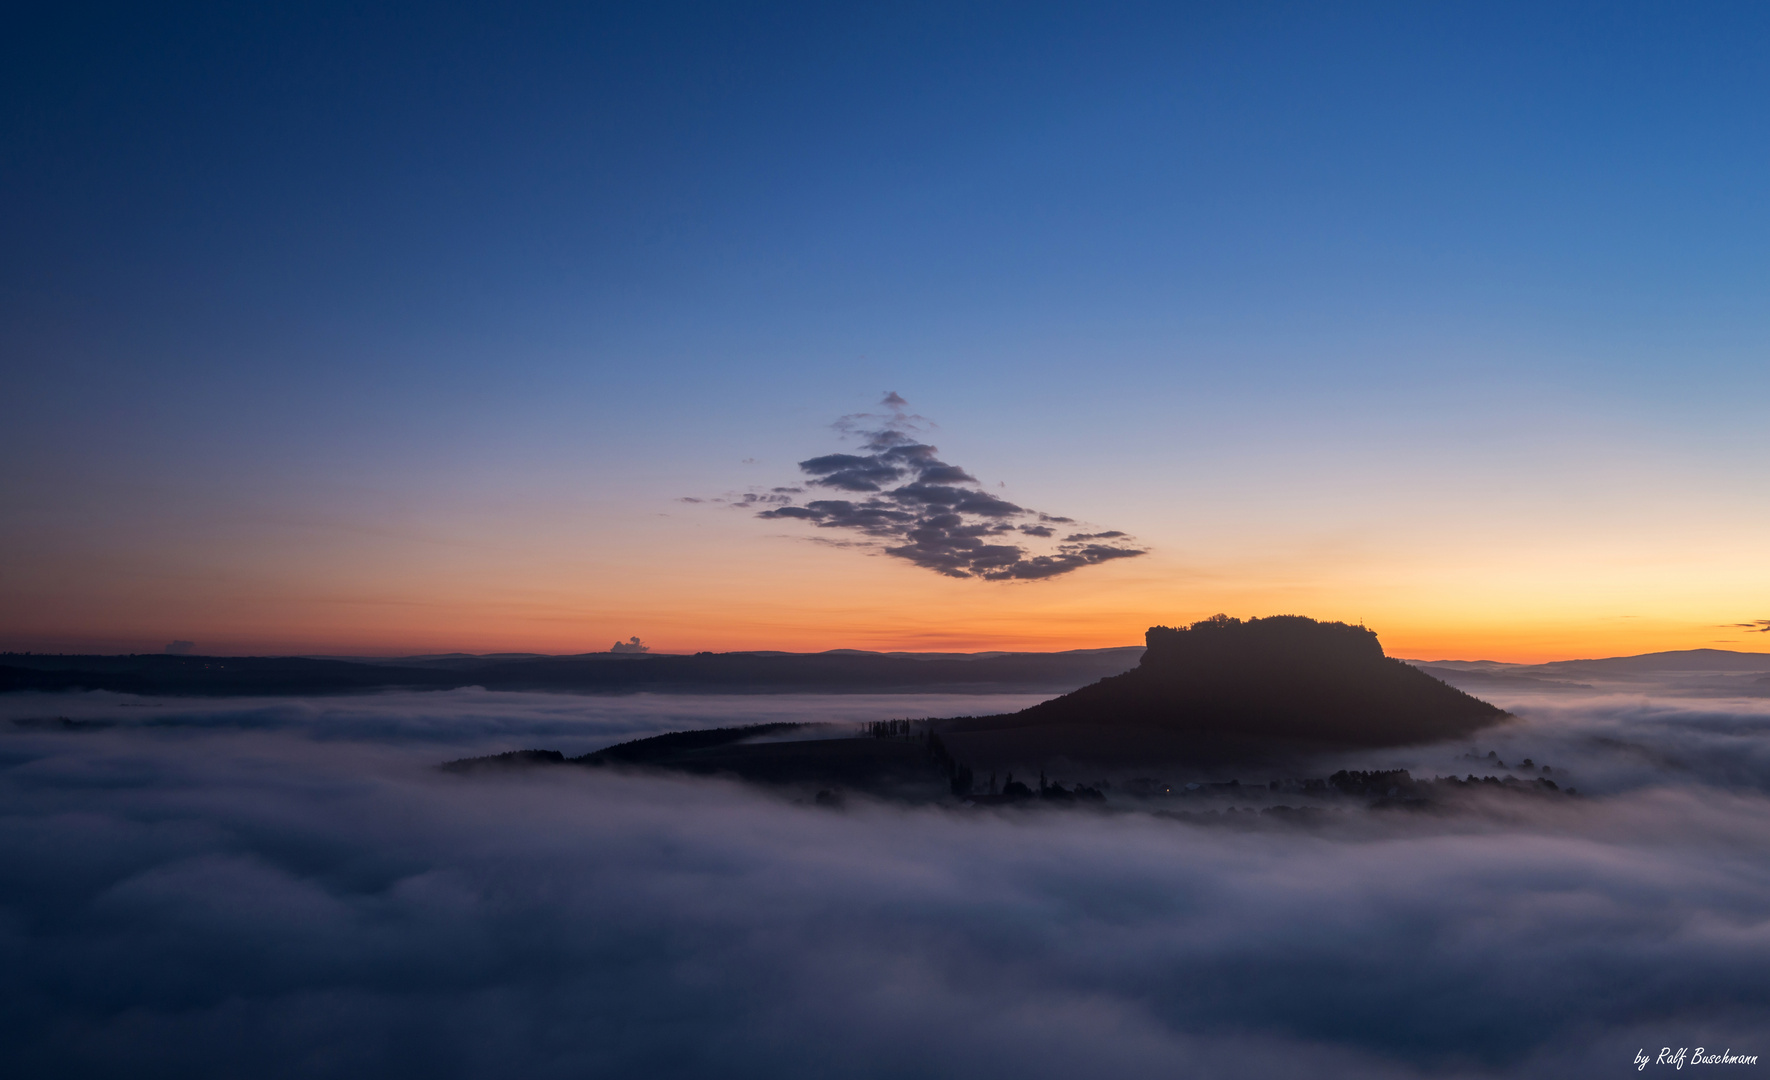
x,y
289,888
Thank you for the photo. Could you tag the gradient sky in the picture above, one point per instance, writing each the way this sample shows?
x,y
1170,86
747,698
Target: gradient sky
x,y
380,329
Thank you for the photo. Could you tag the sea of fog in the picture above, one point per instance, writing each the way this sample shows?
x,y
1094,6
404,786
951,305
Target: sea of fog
x,y
289,888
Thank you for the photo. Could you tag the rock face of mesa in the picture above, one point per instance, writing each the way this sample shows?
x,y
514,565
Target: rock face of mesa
x,y
1224,690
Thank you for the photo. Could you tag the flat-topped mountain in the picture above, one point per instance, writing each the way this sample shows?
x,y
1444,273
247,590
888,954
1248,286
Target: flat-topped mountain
x,y
1217,693
1224,689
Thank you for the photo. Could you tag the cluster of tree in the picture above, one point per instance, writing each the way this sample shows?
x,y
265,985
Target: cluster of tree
x,y
1399,784
1493,759
1012,790
512,759
1059,793
1385,783
958,773
896,729
1541,784
1290,815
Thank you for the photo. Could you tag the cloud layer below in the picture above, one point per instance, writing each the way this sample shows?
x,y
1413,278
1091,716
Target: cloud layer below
x,y
902,498
286,889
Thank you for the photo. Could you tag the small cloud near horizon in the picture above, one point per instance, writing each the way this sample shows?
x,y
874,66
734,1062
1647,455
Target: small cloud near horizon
x,y
179,648
928,512
631,645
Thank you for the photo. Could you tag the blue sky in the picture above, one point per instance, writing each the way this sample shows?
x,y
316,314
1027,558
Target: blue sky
x,y
323,269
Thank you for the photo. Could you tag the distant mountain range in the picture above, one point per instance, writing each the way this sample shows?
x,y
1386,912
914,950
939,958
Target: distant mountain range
x,y
765,671
1712,670
836,671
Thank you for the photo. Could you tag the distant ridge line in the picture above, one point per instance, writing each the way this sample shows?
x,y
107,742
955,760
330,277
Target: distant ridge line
x,y
830,672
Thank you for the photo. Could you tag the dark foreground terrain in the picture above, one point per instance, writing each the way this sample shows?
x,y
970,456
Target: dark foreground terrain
x,y
908,761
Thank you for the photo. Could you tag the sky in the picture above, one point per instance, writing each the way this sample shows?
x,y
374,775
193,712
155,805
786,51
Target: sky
x,y
379,329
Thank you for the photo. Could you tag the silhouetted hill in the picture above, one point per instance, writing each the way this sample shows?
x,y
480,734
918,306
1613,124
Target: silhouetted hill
x,y
674,744
1222,690
881,765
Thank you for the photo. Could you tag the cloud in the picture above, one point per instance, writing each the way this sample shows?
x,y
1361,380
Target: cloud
x,y
934,514
748,499
180,648
274,894
1756,626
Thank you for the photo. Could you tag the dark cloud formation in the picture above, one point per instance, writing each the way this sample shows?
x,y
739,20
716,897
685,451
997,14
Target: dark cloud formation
x,y
1756,626
208,889
926,511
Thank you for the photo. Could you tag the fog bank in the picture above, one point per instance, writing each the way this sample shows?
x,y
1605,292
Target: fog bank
x,y
288,889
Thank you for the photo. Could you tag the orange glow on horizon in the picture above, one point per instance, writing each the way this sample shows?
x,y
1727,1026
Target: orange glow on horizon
x,y
693,582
